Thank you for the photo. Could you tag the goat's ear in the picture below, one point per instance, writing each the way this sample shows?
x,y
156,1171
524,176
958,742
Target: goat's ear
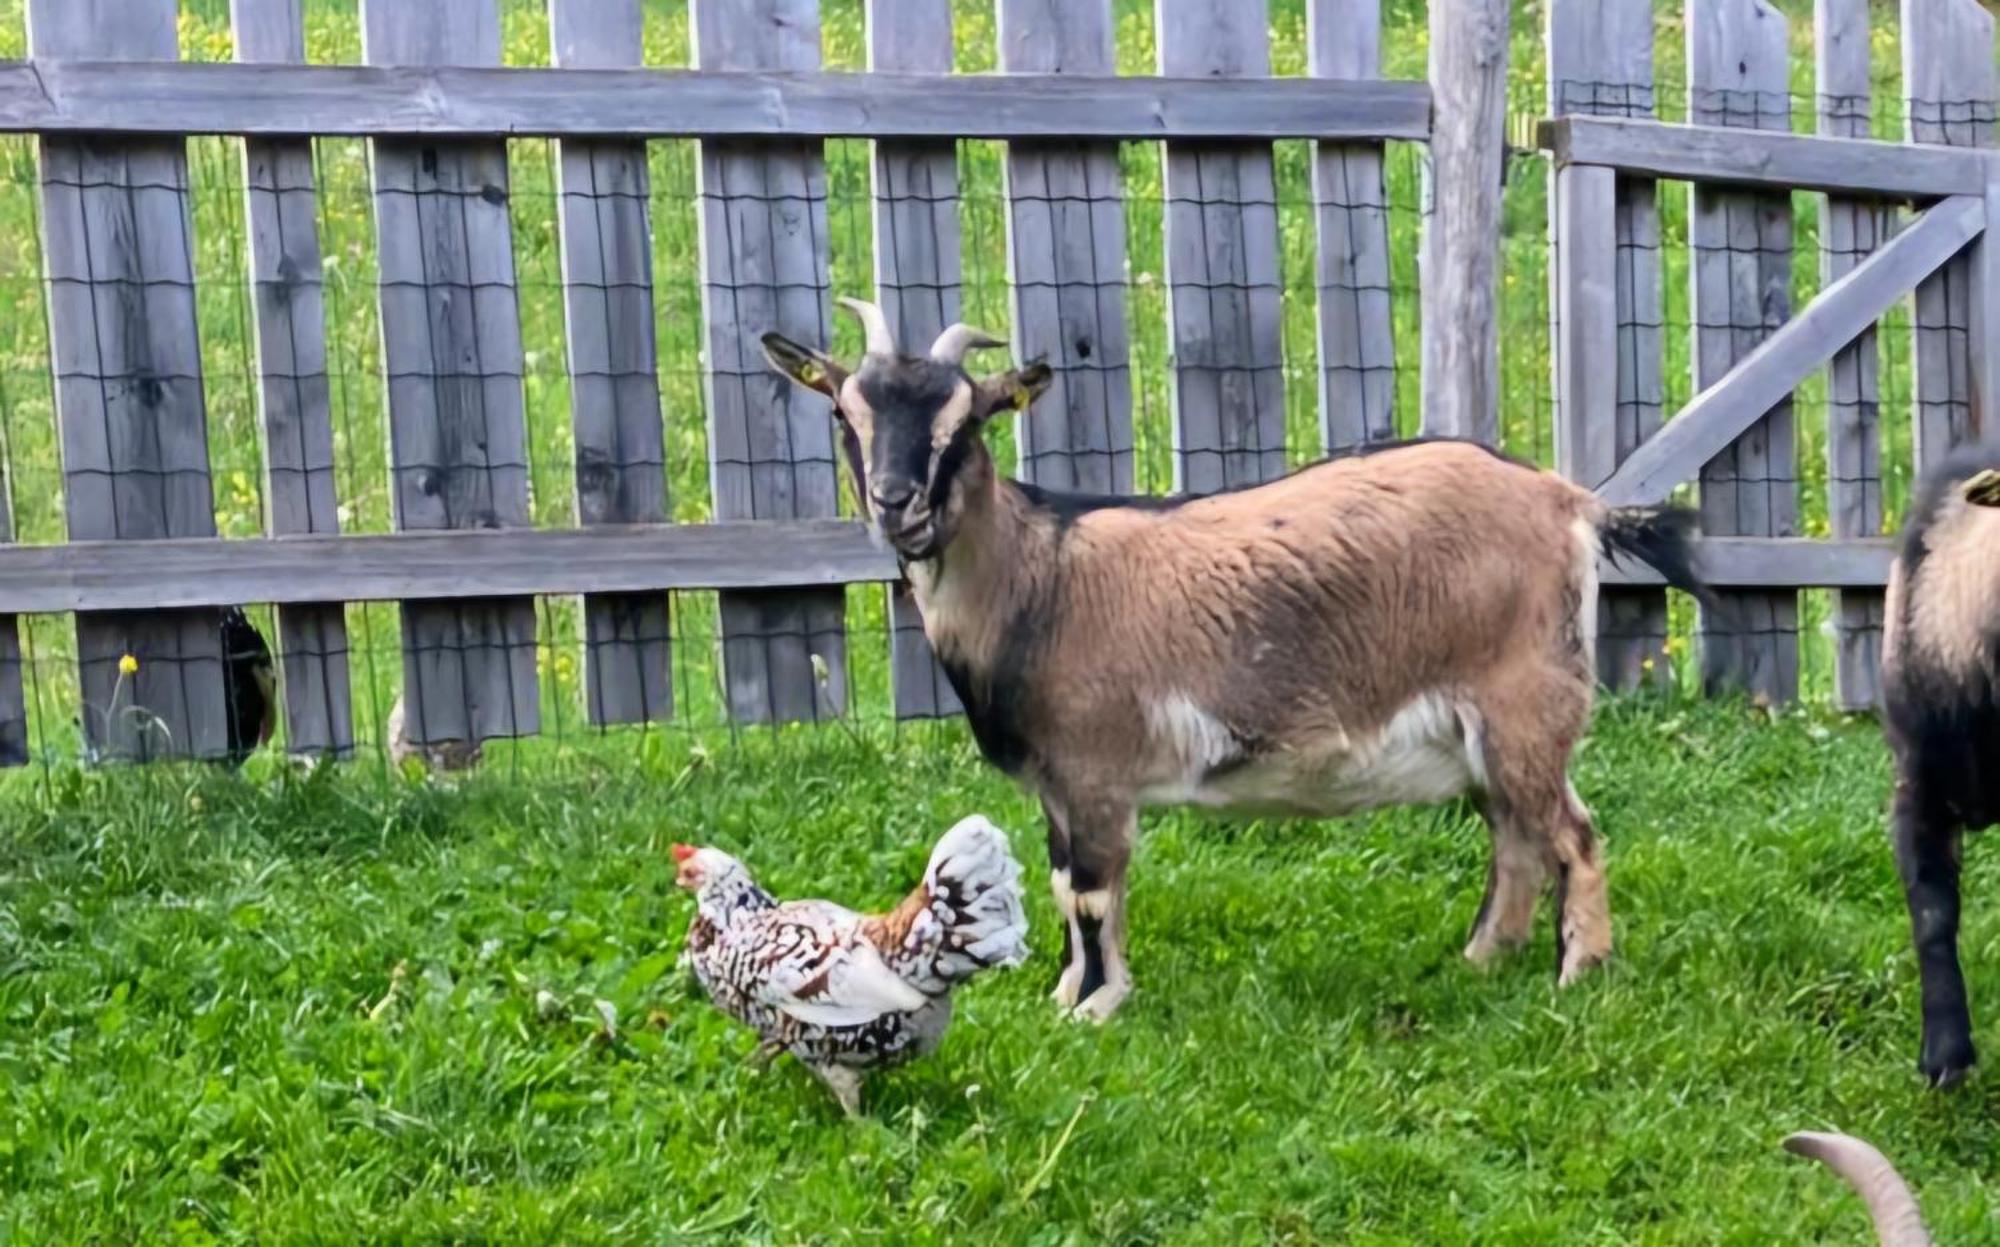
x,y
802,365
1983,490
1014,389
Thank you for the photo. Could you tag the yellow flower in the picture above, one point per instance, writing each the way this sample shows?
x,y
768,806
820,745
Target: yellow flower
x,y
128,665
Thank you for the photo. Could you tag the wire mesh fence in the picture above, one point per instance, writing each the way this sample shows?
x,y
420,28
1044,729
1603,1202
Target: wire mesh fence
x,y
370,467
366,463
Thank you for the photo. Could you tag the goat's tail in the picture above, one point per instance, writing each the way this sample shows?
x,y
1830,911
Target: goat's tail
x,y
1898,1223
1660,537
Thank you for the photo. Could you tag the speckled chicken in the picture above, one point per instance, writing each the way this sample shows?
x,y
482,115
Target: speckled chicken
x,y
845,992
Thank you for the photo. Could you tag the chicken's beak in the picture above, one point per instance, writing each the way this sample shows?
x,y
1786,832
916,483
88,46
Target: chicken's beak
x,y
687,876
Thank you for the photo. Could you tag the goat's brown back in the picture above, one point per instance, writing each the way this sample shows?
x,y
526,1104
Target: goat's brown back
x,y
1325,601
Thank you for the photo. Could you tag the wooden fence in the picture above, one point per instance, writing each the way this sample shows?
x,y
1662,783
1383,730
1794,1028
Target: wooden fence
x,y
143,570
144,573
1739,436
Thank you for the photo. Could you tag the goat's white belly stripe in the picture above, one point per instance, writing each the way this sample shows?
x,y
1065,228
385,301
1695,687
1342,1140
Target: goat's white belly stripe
x,y
1430,750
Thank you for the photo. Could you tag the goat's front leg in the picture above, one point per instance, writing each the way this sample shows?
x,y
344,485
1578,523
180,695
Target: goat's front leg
x,y
1092,895
1071,977
1927,855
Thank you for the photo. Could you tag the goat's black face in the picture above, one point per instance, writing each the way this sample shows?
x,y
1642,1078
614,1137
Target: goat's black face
x,y
917,424
911,433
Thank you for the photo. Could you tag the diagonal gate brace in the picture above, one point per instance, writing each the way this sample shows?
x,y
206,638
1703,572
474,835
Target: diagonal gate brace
x,y
1762,379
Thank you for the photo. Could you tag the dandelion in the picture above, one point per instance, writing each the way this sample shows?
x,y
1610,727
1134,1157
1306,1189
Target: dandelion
x,y
128,665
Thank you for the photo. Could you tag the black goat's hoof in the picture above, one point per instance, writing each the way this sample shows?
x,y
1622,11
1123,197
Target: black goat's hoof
x,y
1946,1064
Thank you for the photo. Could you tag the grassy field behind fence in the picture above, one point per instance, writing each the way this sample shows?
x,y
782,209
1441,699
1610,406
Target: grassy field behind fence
x,y
27,425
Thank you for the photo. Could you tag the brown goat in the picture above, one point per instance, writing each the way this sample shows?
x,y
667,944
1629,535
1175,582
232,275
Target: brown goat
x,y
1404,625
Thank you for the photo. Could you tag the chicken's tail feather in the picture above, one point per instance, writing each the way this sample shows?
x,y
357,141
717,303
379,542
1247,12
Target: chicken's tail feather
x,y
974,918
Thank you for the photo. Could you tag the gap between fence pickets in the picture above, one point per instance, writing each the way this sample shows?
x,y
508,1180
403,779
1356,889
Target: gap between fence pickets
x,y
56,96
450,564
1770,372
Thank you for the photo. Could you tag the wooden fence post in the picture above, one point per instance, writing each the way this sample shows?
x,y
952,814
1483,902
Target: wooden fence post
x,y
1460,255
1066,253
1357,337
282,208
1850,230
607,255
1610,389
1224,289
765,267
451,339
13,705
1948,85
917,271
118,252
1742,240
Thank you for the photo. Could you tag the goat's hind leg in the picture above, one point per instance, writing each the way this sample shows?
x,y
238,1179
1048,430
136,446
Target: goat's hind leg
x,y
1927,856
1514,880
1583,909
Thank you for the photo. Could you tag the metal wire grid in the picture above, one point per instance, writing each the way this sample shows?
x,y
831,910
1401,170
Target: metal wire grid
x,y
1784,238
354,369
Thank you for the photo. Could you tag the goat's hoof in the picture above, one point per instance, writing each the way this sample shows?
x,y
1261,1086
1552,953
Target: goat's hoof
x,y
1579,963
1067,984
1102,1003
1484,950
1946,1064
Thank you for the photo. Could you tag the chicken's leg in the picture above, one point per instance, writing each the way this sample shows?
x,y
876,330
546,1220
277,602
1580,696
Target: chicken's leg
x,y
845,1083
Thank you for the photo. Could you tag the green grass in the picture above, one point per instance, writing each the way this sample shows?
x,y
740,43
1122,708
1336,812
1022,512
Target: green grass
x,y
191,962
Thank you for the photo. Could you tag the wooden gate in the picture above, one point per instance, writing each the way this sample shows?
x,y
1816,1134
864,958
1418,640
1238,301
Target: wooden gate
x,y
1737,437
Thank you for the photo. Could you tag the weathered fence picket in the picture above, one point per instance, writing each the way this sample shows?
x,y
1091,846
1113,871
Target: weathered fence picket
x,y
621,457
1851,229
281,208
1066,255
1601,64
1224,289
917,267
1739,76
127,363
1357,337
13,704
765,266
1948,88
451,346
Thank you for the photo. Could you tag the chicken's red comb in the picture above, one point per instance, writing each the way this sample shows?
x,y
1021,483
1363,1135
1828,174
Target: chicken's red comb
x,y
682,852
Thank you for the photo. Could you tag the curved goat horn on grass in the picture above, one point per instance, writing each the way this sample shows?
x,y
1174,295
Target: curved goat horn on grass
x,y
954,342
1898,1222
874,324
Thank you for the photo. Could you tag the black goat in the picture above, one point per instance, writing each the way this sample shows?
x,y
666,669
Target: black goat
x,y
249,685
1941,691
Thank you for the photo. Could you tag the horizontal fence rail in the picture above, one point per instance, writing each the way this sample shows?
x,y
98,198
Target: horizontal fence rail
x,y
71,97
1713,154
611,558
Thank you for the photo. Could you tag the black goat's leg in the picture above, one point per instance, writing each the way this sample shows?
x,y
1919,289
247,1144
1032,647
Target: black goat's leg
x,y
1927,855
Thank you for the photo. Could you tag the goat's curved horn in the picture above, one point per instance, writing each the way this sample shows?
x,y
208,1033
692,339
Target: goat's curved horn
x,y
1898,1222
874,324
954,342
